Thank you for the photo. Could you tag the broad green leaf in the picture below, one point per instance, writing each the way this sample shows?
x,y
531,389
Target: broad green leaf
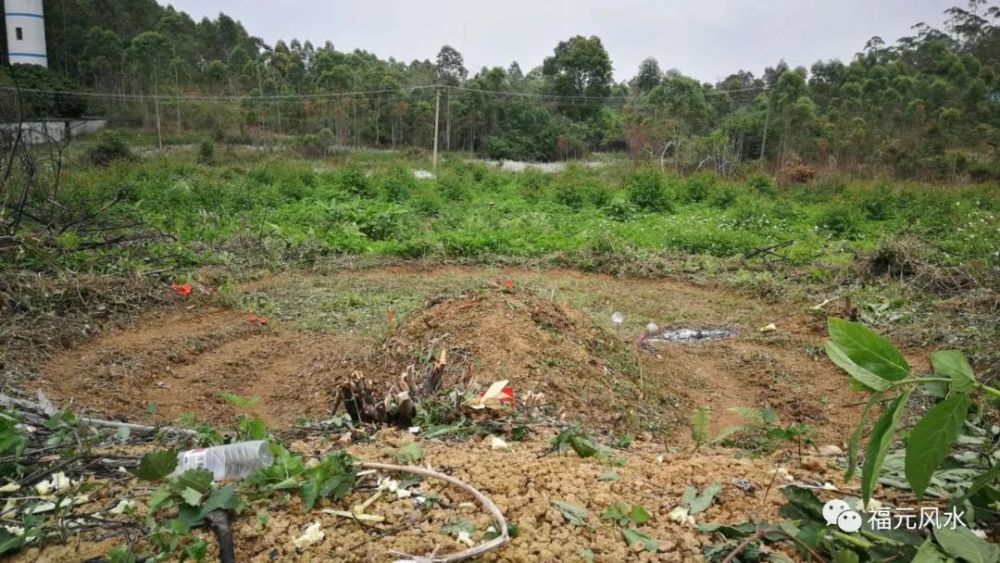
x,y
609,476
583,446
867,349
953,364
573,513
635,536
197,479
961,543
703,500
855,441
867,379
159,498
639,514
985,479
408,454
879,443
191,496
931,440
805,504
929,553
845,556
155,466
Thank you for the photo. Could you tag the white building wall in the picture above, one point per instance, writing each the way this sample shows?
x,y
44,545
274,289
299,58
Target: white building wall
x,y
26,32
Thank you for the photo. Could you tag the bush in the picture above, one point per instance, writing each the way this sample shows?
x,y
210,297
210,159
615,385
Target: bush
x,y
398,184
646,190
206,153
724,198
352,179
110,147
569,195
453,185
839,221
620,210
698,187
763,184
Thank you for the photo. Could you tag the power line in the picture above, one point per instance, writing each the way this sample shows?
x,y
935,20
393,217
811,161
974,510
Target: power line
x,y
582,99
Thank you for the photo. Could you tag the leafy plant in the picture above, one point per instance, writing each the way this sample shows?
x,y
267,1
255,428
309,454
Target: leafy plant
x,y
876,366
624,515
574,438
697,501
573,513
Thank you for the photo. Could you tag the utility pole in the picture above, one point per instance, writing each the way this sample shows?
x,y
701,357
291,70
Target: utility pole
x,y
437,121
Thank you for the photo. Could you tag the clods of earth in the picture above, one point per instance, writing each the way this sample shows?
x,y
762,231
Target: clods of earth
x,y
287,342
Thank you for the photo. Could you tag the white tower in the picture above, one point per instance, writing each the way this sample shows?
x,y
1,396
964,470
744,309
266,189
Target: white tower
x,y
26,32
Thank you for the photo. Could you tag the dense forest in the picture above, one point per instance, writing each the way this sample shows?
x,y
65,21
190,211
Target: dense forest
x,y
926,106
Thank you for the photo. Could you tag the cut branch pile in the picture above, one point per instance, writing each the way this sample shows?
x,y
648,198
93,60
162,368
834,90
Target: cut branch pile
x,y
367,401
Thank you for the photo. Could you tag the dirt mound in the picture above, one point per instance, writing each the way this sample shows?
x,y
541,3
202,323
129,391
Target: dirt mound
x,y
182,362
537,344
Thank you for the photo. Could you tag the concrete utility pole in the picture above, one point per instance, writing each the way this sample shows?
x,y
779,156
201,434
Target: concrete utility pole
x,y
437,121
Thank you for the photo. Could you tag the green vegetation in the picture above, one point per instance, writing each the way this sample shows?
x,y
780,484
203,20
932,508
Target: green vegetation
x,y
925,107
294,208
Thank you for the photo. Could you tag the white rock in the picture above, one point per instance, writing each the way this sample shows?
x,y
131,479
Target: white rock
x,y
314,534
617,318
497,443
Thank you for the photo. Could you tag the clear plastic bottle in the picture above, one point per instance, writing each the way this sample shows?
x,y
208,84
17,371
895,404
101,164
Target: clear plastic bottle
x,y
232,461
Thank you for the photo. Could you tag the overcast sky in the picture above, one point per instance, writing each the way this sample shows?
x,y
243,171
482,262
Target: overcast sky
x,y
707,39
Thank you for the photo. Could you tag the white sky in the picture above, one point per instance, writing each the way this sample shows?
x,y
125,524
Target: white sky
x,y
707,39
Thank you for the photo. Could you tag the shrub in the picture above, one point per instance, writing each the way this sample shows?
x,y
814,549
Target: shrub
x,y
110,147
839,221
620,210
452,185
206,153
398,184
352,179
569,195
698,187
724,198
646,190
762,184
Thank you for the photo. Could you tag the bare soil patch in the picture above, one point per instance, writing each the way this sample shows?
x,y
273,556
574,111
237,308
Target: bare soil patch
x,y
549,334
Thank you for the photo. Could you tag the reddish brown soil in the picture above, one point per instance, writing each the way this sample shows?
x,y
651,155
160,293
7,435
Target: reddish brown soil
x,y
538,345
183,361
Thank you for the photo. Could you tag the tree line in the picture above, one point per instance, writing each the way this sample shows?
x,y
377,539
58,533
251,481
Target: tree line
x,y
928,105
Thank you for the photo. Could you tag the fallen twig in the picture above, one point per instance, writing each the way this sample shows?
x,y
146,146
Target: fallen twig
x,y
494,544
37,409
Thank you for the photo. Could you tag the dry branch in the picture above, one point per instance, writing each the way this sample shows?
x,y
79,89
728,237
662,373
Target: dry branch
x,y
484,501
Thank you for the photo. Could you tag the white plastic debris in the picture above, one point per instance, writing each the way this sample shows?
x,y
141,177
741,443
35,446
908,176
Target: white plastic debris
x,y
617,318
413,430
314,534
492,398
681,516
497,443
423,175
392,486
465,538
122,506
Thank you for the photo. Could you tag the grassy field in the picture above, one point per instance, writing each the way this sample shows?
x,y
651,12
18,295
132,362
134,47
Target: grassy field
x,y
306,272
371,204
